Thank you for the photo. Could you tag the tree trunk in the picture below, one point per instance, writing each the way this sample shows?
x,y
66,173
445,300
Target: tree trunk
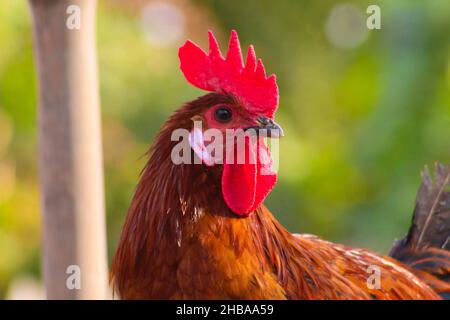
x,y
70,150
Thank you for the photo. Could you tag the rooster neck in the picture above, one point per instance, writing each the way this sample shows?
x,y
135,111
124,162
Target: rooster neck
x,y
178,209
178,201
180,240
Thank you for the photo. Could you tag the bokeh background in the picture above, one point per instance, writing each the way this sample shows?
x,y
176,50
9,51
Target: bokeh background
x,y
363,111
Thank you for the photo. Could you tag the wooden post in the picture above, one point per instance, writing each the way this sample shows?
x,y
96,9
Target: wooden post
x,y
70,150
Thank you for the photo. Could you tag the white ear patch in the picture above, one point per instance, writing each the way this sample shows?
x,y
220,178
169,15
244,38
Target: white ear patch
x,y
198,145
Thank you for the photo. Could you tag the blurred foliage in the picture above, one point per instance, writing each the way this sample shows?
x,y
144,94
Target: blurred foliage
x,y
360,122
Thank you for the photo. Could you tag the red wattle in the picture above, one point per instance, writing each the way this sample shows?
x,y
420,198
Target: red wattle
x,y
246,185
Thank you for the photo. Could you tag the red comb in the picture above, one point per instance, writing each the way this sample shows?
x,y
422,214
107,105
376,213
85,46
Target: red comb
x,y
214,73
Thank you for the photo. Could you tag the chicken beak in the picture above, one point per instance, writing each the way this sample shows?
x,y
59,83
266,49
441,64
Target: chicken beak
x,y
267,127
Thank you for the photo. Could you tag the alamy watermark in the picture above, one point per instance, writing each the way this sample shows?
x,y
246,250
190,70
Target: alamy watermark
x,y
374,280
73,21
73,281
232,146
374,20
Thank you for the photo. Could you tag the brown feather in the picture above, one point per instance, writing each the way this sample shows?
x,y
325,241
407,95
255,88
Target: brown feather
x,y
180,241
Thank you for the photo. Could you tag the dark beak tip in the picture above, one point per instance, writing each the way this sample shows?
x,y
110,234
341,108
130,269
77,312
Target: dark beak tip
x,y
277,128
272,129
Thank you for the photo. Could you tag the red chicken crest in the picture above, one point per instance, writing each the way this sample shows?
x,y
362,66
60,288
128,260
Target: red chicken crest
x,y
214,73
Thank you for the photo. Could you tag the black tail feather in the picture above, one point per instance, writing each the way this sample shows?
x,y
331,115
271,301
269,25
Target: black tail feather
x,y
426,247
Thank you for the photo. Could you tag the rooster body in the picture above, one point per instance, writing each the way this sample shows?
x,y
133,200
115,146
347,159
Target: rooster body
x,y
193,233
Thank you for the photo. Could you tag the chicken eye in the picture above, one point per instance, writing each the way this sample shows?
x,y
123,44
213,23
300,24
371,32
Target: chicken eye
x,y
223,114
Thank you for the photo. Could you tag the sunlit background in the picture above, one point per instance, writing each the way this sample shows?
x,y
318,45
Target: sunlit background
x,y
363,111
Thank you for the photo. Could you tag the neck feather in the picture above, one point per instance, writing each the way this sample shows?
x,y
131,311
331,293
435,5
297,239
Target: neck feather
x,y
171,200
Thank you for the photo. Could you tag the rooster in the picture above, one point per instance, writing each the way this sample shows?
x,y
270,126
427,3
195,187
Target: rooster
x,y
200,230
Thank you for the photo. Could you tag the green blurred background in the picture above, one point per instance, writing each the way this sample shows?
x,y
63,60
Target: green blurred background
x,y
363,111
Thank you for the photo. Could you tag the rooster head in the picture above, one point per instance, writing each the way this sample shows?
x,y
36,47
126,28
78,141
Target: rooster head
x,y
242,113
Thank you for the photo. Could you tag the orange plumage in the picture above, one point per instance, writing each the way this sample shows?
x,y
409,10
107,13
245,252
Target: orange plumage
x,y
200,231
181,241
